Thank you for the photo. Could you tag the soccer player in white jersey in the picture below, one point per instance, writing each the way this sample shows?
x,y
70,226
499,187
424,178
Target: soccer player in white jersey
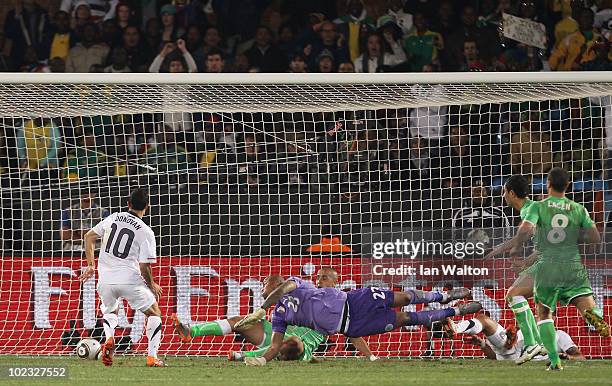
x,y
505,344
124,270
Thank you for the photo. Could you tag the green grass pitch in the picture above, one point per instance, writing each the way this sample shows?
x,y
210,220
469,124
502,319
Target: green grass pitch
x,y
206,371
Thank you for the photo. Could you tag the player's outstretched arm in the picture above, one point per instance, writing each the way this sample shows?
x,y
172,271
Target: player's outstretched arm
x,y
90,248
273,298
525,231
277,341
361,345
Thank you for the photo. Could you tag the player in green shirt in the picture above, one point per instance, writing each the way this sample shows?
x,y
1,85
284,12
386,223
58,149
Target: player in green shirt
x,y
556,223
516,191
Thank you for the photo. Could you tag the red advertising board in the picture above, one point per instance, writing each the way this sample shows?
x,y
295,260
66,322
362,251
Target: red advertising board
x,y
40,297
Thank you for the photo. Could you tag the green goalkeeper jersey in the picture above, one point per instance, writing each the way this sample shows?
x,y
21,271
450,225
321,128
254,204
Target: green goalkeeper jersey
x,y
558,222
310,338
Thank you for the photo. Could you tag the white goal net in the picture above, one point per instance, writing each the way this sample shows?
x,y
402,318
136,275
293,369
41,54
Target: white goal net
x,y
261,174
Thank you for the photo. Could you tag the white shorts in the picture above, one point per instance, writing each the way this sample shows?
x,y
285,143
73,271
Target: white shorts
x,y
138,295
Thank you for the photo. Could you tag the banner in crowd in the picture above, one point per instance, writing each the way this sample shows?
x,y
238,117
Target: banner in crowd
x,y
45,310
524,31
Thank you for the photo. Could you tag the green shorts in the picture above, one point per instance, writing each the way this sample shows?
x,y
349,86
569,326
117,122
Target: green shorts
x,y
560,283
531,270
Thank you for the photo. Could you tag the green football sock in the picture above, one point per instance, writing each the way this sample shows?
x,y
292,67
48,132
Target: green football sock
x,y
256,353
549,338
525,320
208,328
534,327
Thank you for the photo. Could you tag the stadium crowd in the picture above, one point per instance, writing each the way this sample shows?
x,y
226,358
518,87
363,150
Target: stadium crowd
x,y
414,148
294,36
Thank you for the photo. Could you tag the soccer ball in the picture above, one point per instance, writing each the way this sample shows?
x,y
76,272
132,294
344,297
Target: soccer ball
x,y
88,349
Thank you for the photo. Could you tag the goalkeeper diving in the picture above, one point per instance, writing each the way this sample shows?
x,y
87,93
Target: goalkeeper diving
x,y
300,343
556,223
357,313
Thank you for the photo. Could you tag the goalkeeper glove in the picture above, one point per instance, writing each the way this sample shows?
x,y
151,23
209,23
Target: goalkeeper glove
x,y
255,361
251,319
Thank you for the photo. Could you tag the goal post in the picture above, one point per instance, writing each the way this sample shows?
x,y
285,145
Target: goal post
x,y
388,178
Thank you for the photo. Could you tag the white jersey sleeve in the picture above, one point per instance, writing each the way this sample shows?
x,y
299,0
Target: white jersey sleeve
x,y
564,341
148,249
102,225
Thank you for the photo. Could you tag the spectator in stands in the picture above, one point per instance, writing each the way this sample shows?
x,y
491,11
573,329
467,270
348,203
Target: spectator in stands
x,y
152,34
138,52
602,61
38,143
100,9
327,40
325,62
214,61
297,64
170,30
62,38
445,22
241,63
264,55
166,155
286,38
569,23
577,47
213,39
346,67
111,33
178,59
354,27
5,60
374,59
193,41
460,160
80,17
485,37
87,52
422,45
78,219
530,148
428,122
118,61
471,57
26,26
86,160
123,14
404,20
420,165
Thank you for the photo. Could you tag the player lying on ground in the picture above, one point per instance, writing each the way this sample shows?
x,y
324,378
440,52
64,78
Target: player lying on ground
x,y
516,192
299,344
126,255
357,313
560,275
505,344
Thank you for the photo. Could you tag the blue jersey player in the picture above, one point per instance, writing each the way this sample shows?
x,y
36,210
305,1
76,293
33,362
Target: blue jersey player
x,y
361,312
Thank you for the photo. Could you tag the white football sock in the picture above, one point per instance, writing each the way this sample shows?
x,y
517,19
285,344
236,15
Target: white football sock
x,y
498,339
110,322
470,327
154,333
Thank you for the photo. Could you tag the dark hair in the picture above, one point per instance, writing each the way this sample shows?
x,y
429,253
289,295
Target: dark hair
x,y
139,198
558,179
519,185
213,52
290,350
